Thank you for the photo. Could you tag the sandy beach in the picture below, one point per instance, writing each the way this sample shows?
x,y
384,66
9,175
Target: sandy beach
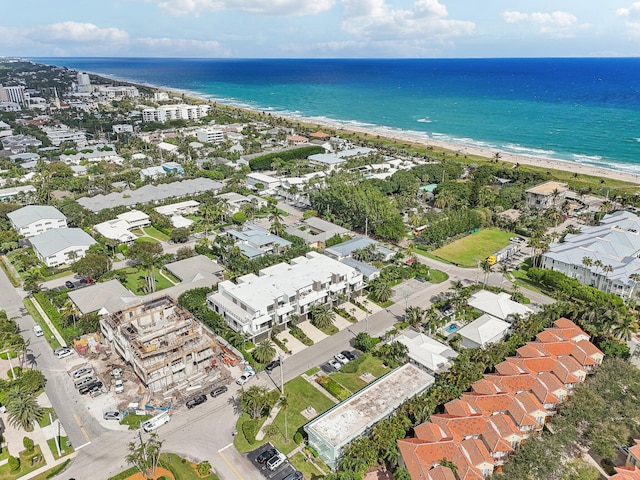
x,y
488,153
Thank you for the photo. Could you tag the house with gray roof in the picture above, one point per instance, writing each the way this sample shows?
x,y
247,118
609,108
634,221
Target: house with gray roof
x,y
482,331
107,297
346,249
150,193
604,256
368,271
255,242
316,231
35,219
61,246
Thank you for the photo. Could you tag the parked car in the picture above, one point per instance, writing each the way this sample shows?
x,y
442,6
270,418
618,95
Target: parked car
x,y
266,455
116,372
194,402
297,475
63,352
349,355
111,415
275,462
69,284
90,387
216,392
517,240
272,365
336,365
248,375
81,372
341,358
118,386
38,330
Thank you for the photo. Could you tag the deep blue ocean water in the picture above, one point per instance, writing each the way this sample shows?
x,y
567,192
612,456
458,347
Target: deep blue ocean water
x,y
582,110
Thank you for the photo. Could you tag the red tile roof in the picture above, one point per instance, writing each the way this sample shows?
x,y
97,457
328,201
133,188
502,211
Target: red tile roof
x,y
626,473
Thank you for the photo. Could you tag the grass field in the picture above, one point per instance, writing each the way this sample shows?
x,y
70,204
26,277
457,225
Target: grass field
x,y
467,251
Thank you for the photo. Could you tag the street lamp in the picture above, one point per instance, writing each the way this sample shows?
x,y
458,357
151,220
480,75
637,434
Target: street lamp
x,y
281,374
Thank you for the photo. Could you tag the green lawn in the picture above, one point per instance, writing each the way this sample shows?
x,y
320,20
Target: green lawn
x,y
45,420
155,233
437,276
352,381
26,464
307,468
134,280
467,251
64,449
134,421
181,469
300,395
46,475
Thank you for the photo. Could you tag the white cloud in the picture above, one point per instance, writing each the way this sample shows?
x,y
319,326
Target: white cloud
x,y
632,14
87,39
427,21
75,32
258,7
555,24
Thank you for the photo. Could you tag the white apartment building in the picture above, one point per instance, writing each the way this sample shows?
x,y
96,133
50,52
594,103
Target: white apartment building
x,y
83,79
34,219
160,96
257,303
116,93
180,111
210,135
61,246
122,128
14,95
63,134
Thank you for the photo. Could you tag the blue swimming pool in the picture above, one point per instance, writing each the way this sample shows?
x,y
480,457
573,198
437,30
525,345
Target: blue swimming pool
x,y
452,327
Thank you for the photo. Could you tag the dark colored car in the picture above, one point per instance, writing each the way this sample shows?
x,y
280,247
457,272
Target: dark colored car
x,y
90,387
275,364
350,356
69,284
266,455
196,401
216,392
297,475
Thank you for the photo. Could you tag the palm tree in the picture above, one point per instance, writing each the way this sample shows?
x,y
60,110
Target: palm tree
x,y
486,266
32,279
414,314
381,290
636,279
504,271
264,351
623,326
445,199
23,409
322,316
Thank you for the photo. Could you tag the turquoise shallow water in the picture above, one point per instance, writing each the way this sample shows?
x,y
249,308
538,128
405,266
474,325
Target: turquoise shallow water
x,y
581,110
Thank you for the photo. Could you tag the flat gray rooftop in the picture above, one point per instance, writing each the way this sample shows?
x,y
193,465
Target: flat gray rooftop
x,y
352,417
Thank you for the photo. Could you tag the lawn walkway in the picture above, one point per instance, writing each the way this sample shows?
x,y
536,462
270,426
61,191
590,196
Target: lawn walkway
x,y
47,321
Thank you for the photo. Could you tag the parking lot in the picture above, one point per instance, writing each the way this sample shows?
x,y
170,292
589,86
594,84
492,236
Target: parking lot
x,y
279,473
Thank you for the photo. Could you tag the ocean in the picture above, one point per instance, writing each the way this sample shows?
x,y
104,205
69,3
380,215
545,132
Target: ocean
x,y
584,110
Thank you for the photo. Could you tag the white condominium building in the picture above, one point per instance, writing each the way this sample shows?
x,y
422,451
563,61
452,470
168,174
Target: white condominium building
x,y
180,111
14,95
63,134
210,135
257,303
118,92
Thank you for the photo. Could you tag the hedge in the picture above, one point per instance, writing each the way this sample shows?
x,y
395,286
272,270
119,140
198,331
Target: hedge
x,y
250,429
333,387
263,162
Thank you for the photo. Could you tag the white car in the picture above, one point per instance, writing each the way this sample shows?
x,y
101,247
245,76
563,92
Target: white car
x,y
335,364
116,372
82,372
119,386
246,376
38,331
63,352
517,239
341,358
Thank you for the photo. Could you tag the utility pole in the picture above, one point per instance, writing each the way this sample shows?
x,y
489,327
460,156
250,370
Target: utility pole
x,y
366,320
281,374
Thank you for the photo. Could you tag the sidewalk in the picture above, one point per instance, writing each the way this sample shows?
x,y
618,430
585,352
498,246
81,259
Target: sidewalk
x,y
47,321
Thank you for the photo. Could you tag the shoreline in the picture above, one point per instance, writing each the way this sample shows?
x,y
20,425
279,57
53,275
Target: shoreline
x,y
406,136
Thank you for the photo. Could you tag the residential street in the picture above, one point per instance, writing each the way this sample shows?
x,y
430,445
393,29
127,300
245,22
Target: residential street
x,y
206,431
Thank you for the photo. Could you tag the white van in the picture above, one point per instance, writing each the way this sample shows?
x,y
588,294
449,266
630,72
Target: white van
x,y
276,461
38,331
155,422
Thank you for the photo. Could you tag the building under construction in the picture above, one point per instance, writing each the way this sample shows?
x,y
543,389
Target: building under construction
x,y
166,347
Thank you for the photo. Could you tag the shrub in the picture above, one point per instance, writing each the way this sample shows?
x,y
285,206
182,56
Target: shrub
x,y
352,366
250,430
333,387
14,463
365,343
298,438
28,444
203,468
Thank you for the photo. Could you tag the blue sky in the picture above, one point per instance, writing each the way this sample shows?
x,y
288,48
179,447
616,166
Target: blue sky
x,y
321,28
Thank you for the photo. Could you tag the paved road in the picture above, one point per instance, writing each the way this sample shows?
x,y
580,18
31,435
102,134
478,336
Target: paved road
x,y
79,424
